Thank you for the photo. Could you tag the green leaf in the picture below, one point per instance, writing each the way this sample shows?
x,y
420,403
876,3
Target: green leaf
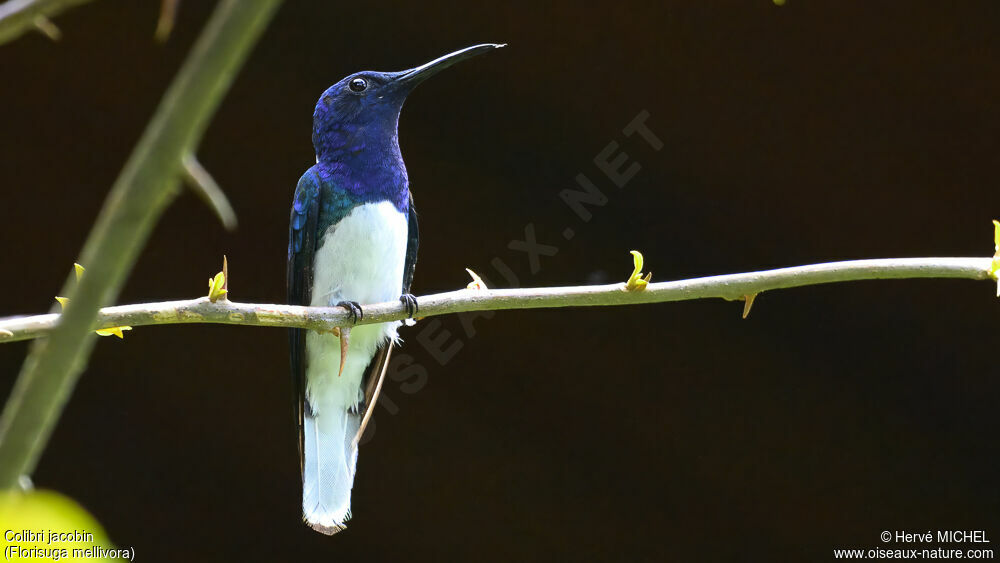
x,y
216,290
996,248
995,264
636,282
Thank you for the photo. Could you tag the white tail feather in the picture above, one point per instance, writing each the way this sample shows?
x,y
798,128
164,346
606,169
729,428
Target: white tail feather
x,y
330,460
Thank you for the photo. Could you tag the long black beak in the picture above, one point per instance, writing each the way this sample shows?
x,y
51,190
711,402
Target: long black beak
x,y
417,75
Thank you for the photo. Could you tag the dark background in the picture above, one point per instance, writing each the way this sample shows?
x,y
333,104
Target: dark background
x,y
809,132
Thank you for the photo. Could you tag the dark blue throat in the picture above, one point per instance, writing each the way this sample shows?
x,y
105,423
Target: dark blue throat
x,y
363,161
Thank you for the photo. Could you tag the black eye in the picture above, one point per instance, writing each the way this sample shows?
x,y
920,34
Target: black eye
x,y
358,85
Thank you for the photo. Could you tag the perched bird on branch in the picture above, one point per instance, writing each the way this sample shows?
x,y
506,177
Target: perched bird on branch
x,y
352,239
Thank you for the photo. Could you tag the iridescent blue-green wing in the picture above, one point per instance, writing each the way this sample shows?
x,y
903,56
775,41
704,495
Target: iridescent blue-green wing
x,y
303,232
412,242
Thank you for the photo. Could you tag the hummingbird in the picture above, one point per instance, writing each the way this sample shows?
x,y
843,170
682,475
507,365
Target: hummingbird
x,y
353,240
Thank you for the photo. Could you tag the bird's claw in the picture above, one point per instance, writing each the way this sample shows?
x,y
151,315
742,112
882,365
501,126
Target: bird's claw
x,y
411,303
354,312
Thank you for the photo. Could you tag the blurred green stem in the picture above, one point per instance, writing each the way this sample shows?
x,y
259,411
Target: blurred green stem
x,y
145,187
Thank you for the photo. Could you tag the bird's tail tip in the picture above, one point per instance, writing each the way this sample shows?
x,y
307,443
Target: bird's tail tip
x,y
327,529
329,461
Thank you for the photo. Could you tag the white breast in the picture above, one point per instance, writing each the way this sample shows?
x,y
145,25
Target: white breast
x,y
361,259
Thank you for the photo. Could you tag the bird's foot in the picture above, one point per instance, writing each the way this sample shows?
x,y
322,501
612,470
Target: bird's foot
x,y
411,303
354,311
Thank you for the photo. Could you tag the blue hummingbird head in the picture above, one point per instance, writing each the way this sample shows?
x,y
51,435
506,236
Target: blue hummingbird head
x,y
360,114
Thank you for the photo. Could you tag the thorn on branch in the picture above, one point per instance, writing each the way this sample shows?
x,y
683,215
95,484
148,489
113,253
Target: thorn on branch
x,y
168,15
49,29
198,178
78,270
343,333
748,303
344,336
115,330
477,282
18,17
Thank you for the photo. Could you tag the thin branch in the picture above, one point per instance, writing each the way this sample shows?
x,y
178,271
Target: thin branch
x,y
20,16
731,287
138,197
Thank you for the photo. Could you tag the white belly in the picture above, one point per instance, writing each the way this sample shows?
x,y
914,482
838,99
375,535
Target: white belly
x,y
361,259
